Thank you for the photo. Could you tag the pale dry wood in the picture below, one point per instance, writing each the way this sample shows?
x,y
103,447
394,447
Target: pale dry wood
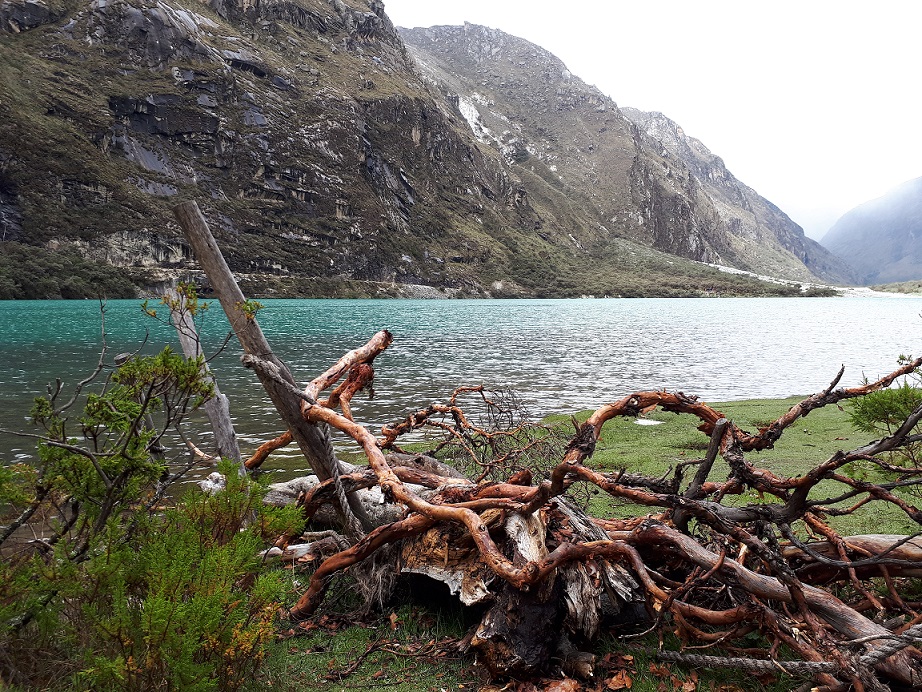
x,y
313,440
217,408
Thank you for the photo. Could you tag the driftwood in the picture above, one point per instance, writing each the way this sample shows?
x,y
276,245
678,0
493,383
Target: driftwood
x,y
552,578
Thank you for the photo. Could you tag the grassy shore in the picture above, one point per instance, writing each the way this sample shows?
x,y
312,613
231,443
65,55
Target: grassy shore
x,y
655,449
404,648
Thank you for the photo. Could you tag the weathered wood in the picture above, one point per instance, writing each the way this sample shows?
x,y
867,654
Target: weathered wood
x,y
519,633
839,616
266,448
217,408
313,440
454,536
900,555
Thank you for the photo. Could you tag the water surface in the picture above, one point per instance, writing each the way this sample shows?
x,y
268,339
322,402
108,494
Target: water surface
x,y
558,355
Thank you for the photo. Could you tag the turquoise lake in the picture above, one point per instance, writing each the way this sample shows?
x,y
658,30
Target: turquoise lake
x,y
558,355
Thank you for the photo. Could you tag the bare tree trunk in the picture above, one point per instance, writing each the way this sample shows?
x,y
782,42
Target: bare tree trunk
x,y
217,408
313,440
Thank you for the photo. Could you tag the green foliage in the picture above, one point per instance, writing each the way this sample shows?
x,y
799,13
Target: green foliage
x,y
185,299
28,272
249,308
118,593
106,461
912,287
184,605
820,292
884,411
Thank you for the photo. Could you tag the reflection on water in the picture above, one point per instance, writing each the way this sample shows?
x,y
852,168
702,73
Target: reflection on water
x,y
559,355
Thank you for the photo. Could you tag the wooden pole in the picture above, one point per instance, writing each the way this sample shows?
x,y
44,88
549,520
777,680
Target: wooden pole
x,y
313,440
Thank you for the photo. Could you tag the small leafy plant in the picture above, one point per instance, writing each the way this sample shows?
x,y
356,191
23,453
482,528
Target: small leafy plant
x,y
884,411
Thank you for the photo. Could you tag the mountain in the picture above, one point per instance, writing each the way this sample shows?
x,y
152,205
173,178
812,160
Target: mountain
x,y
882,238
641,176
324,161
762,236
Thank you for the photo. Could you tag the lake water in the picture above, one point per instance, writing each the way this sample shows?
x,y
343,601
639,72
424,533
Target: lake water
x,y
558,355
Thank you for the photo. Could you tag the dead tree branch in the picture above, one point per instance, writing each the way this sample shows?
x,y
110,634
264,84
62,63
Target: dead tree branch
x,y
313,441
519,541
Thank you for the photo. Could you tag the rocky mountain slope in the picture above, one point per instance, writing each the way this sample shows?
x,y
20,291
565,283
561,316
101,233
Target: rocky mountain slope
x,y
643,178
882,238
324,161
760,234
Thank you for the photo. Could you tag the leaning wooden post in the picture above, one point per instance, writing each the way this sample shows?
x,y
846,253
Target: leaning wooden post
x,y
217,407
313,440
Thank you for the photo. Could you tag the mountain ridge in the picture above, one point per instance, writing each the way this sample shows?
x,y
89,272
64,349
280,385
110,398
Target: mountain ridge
x,y
730,222
324,162
748,215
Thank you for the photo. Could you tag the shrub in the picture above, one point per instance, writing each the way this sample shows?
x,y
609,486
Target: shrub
x,y
184,605
884,411
101,588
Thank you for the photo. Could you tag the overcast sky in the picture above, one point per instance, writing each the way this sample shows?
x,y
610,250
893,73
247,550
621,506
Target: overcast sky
x,y
816,104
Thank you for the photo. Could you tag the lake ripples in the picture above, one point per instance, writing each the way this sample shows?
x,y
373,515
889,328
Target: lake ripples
x,y
559,356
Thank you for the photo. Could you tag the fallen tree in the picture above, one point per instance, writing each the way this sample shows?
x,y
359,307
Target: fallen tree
x,y
696,562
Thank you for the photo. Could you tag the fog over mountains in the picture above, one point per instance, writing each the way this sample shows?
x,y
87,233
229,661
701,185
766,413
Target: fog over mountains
x,y
882,239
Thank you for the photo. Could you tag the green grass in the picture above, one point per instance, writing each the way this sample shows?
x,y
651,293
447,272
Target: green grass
x,y
412,647
409,646
655,450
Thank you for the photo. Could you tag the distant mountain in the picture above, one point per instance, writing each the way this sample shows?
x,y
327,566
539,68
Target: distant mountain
x,y
637,173
328,165
882,238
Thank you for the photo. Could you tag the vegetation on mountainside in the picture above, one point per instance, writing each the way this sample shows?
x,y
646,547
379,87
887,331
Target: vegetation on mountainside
x,y
367,185
28,272
914,287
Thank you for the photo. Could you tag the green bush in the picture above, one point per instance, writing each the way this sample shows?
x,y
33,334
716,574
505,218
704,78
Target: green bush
x,y
884,411
103,588
184,605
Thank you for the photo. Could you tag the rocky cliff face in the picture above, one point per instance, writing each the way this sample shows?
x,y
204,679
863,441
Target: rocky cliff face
x,y
312,145
882,238
762,237
324,161
642,176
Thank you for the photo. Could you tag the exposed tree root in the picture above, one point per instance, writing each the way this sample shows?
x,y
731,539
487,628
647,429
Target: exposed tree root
x,y
548,569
